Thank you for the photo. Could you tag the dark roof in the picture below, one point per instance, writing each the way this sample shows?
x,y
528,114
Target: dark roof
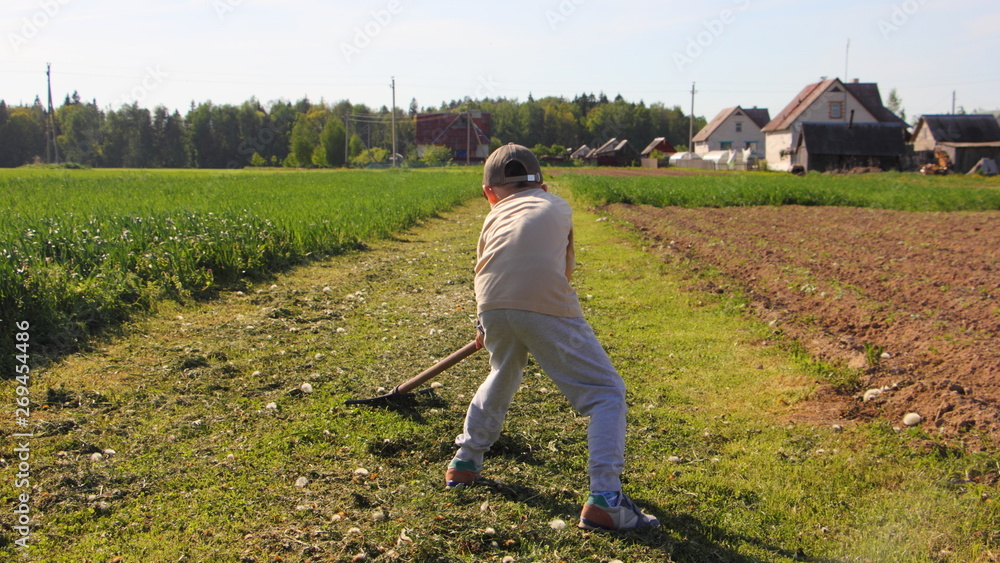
x,y
860,139
760,116
867,94
961,128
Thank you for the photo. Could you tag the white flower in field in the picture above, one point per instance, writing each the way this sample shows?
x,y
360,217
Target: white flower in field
x,y
558,524
301,482
306,388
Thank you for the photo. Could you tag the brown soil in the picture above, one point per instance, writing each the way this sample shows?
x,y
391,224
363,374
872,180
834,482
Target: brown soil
x,y
911,300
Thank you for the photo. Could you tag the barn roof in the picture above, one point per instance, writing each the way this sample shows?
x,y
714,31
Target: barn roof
x,y
859,139
960,128
613,146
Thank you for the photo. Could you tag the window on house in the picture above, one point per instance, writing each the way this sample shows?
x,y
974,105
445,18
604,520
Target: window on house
x,y
739,126
836,110
725,145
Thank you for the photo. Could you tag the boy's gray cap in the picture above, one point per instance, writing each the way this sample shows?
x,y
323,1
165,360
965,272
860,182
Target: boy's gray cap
x,y
493,174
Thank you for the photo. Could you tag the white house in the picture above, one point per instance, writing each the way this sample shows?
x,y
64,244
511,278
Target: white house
x,y
829,101
734,128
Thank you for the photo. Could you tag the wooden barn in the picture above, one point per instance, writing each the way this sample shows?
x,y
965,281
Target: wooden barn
x,y
827,147
466,134
966,139
659,144
615,152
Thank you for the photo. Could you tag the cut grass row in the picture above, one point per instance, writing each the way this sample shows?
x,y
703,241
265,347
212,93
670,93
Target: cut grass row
x,y
204,471
898,191
83,250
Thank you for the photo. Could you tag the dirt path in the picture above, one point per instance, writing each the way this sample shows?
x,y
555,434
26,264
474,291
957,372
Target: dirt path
x,y
913,299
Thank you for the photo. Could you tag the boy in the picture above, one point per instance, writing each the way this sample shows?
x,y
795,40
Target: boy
x,y
525,304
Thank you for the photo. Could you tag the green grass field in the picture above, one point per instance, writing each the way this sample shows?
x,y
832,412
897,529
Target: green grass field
x,y
210,450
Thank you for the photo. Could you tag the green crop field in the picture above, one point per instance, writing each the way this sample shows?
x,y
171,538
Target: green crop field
x,y
83,250
903,192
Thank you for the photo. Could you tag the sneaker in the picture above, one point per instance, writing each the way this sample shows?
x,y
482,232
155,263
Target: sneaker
x,y
598,514
460,474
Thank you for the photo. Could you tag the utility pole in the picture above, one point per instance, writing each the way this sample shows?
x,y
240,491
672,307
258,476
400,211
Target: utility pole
x,y
847,57
52,119
347,139
953,96
691,122
393,121
468,133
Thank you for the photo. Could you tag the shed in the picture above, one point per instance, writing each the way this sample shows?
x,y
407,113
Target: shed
x,y
615,152
964,138
580,153
837,146
659,144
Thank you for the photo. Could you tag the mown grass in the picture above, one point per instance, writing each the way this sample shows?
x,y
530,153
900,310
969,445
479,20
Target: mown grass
x,y
203,470
84,250
890,190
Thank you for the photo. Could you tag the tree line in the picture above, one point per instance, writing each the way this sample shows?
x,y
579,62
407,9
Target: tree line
x,y
307,134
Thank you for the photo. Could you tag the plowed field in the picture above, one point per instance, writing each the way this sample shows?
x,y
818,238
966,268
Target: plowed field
x,y
911,300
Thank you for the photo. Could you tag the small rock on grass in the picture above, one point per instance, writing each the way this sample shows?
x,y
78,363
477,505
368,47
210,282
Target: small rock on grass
x,y
911,419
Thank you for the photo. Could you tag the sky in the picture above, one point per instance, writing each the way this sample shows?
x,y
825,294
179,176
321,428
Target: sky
x,y
731,52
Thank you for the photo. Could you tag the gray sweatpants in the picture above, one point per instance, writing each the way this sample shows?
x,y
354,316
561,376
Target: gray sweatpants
x,y
569,353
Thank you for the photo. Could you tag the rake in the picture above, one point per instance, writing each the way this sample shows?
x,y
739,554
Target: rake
x,y
404,391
